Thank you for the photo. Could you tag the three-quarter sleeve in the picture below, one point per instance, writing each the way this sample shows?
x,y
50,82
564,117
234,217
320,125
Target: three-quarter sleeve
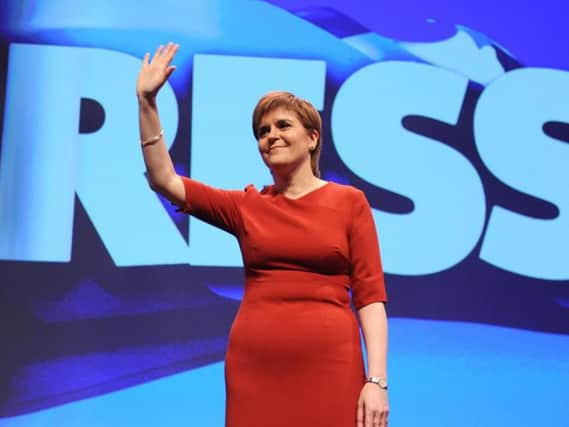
x,y
217,207
366,272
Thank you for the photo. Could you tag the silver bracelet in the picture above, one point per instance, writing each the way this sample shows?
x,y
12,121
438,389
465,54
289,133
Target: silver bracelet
x,y
152,140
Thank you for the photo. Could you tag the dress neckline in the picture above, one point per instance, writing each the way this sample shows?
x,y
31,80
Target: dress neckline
x,y
305,195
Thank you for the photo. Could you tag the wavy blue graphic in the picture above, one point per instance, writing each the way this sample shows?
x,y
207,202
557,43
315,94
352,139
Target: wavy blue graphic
x,y
534,33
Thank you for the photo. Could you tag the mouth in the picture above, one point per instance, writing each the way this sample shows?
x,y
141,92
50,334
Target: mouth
x,y
275,146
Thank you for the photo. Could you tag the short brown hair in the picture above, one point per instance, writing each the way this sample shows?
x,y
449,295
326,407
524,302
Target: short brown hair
x,y
307,114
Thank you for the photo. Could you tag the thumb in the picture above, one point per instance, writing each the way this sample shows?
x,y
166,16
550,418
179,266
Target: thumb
x,y
170,70
360,414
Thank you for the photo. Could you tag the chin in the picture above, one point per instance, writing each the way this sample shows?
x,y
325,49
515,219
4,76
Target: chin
x,y
276,161
278,167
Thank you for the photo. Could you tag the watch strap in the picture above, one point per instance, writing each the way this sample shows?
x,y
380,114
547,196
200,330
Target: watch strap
x,y
380,381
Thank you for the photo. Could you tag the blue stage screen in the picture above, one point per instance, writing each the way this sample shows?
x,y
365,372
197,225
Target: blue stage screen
x,y
454,121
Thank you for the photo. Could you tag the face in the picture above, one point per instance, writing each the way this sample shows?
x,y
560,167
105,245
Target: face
x,y
284,143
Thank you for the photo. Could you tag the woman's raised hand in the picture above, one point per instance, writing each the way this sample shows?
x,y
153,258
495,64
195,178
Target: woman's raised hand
x,y
154,72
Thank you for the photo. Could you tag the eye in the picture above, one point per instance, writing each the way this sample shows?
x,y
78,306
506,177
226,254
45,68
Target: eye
x,y
262,131
282,124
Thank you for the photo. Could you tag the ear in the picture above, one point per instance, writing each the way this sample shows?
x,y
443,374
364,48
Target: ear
x,y
313,135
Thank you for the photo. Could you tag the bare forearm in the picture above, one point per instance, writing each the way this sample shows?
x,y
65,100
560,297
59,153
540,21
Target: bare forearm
x,y
373,320
158,163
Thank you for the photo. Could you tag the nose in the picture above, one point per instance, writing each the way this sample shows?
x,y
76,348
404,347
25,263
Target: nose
x,y
272,134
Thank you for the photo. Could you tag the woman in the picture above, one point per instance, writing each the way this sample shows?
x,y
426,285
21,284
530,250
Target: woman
x,y
294,356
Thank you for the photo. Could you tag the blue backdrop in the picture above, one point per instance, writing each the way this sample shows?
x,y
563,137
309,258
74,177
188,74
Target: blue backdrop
x,y
451,116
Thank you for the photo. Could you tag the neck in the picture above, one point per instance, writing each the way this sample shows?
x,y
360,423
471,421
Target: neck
x,y
296,182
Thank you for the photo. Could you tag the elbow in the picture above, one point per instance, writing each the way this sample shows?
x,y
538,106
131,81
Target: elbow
x,y
163,184
156,186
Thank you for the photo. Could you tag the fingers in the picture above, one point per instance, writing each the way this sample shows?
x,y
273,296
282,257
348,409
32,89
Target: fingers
x,y
380,419
170,51
165,54
371,418
157,54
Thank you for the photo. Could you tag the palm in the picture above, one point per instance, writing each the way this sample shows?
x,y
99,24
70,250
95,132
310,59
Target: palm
x,y
154,73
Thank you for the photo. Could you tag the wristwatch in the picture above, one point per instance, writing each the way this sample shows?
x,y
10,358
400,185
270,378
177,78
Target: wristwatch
x,y
380,381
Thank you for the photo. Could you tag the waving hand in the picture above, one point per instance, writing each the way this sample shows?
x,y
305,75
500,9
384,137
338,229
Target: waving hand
x,y
155,71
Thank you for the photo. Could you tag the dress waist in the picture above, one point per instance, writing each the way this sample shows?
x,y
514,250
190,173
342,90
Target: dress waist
x,y
281,286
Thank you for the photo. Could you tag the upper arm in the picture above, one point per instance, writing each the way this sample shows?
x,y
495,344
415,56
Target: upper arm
x,y
220,208
366,271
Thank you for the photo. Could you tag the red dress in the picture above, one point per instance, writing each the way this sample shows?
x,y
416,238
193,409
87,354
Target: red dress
x,y
294,357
